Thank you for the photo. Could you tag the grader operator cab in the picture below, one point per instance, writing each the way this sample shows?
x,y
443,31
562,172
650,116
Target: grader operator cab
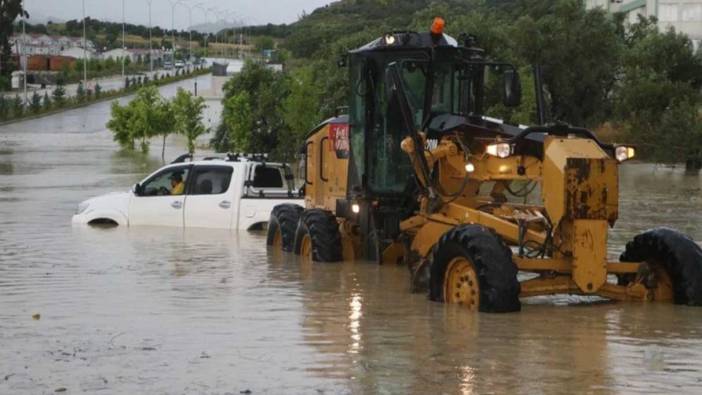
x,y
416,174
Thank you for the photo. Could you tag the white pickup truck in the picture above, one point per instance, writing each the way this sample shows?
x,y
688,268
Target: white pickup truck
x,y
228,193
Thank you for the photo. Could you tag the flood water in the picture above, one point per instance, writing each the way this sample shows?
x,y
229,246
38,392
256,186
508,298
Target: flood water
x,y
158,310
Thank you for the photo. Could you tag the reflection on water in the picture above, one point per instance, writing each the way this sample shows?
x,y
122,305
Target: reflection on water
x,y
157,310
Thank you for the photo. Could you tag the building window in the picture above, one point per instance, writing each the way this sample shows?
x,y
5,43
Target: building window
x,y
668,12
691,13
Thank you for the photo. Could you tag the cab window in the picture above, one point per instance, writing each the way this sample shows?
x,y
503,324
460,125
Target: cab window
x,y
210,180
170,181
265,177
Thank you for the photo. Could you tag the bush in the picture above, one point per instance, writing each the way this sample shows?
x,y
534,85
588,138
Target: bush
x,y
46,103
80,92
4,108
17,107
35,104
59,95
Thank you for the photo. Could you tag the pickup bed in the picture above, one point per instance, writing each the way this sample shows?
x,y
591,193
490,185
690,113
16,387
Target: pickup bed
x,y
216,193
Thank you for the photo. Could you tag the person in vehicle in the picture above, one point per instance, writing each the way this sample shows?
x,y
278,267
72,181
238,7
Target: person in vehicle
x,y
177,184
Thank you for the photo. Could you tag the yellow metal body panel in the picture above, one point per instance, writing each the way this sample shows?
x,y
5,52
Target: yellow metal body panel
x,y
326,170
590,254
579,180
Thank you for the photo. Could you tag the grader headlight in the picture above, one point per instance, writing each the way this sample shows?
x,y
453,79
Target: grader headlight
x,y
500,150
624,152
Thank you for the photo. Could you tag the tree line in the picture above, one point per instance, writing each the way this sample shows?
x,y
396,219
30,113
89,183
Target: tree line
x,y
632,83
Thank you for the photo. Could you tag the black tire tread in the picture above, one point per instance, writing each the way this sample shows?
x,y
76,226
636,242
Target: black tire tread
x,y
284,217
323,229
497,273
679,254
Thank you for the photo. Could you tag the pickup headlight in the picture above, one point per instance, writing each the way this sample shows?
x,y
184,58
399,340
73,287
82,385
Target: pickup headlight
x,y
624,152
82,207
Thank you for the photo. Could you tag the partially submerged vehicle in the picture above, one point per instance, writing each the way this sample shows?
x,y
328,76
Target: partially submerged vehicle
x,y
418,174
234,192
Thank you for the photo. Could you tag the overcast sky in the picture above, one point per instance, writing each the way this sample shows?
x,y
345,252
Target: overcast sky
x,y
136,11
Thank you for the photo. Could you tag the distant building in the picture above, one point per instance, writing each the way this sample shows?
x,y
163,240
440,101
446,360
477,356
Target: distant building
x,y
685,16
134,55
78,53
43,44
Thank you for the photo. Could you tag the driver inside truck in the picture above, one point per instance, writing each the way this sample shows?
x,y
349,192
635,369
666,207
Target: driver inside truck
x,y
177,184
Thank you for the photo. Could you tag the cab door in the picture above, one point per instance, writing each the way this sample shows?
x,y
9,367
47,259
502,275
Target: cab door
x,y
157,202
209,202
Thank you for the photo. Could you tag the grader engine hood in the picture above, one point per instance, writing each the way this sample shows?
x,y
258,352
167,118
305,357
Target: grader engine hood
x,y
580,181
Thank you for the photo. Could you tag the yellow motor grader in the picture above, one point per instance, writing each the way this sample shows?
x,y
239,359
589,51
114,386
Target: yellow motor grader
x,y
416,174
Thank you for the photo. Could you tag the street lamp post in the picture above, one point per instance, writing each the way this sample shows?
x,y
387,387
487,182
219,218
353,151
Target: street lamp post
x,y
232,40
151,52
85,52
124,47
24,52
214,11
204,12
173,6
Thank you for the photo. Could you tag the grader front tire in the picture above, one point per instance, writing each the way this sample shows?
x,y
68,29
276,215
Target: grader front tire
x,y
282,226
473,267
678,256
317,236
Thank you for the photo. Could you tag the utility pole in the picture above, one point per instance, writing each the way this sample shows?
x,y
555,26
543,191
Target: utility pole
x,y
124,47
151,52
204,12
85,53
24,51
173,6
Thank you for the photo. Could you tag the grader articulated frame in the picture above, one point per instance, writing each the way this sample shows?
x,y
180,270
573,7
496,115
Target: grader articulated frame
x,y
415,174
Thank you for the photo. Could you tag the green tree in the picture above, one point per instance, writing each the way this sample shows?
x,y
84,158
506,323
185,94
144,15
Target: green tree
x,y
265,89
59,95
146,116
4,108
579,50
299,111
17,107
120,124
35,104
658,98
9,11
80,92
263,43
238,121
46,102
187,111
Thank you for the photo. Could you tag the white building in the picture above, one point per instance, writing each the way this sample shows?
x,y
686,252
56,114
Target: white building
x,y
134,55
43,44
684,16
77,53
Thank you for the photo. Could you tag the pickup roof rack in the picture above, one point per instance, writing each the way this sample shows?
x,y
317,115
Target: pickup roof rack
x,y
230,157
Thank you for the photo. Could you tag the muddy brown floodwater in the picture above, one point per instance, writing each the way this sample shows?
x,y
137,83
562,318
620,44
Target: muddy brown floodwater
x,y
158,310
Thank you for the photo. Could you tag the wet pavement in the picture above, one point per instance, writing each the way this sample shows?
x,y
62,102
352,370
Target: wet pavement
x,y
158,310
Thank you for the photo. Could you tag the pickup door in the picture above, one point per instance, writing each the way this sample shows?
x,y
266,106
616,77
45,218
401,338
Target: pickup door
x,y
209,202
156,205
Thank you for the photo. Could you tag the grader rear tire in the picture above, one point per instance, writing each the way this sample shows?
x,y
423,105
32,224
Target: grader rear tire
x,y
282,226
472,266
317,236
679,255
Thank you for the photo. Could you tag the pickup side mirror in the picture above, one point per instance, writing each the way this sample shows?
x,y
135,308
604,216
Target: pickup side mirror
x,y
512,95
138,189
